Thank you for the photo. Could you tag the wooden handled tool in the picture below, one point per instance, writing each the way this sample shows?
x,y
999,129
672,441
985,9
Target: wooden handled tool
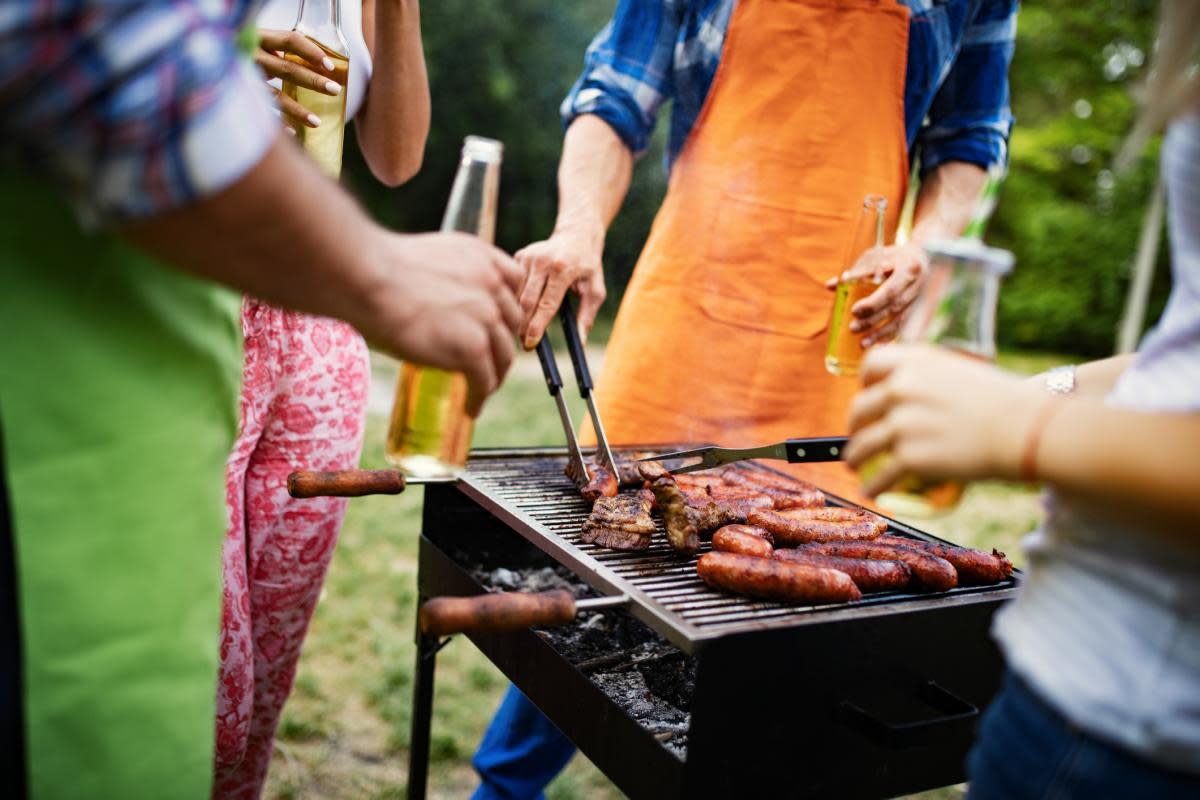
x,y
345,483
505,611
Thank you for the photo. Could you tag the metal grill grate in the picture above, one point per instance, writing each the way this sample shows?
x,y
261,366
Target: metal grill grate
x,y
534,496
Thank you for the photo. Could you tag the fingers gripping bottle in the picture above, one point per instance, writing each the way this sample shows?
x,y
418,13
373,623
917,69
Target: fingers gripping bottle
x,y
845,350
319,20
430,432
957,310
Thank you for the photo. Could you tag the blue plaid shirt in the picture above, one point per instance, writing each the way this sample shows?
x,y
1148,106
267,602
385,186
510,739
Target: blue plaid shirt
x,y
132,107
955,98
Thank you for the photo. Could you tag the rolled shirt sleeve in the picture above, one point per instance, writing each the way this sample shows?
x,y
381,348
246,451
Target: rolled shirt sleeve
x,y
627,71
970,119
133,108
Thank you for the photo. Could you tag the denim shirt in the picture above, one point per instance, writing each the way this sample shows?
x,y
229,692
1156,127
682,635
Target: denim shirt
x,y
956,103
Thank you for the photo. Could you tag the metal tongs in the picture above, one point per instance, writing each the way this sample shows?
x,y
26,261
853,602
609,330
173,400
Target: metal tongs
x,y
793,451
566,315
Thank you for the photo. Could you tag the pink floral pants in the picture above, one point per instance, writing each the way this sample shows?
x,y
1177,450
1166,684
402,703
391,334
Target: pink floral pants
x,y
303,406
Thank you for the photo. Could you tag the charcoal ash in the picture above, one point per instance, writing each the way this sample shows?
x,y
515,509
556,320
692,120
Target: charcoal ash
x,y
629,690
534,579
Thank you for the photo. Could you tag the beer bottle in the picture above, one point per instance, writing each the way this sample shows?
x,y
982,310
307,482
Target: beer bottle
x,y
319,20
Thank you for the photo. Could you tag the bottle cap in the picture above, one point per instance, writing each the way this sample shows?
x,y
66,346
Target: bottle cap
x,y
481,148
974,252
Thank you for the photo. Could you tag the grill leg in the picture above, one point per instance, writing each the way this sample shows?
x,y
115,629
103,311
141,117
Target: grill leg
x,y
422,714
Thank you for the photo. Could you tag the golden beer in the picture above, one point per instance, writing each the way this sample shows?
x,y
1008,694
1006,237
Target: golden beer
x,y
844,352
324,142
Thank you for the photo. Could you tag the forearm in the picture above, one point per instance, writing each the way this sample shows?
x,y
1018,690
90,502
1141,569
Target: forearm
x,y
945,201
285,234
593,178
1137,466
393,123
1097,378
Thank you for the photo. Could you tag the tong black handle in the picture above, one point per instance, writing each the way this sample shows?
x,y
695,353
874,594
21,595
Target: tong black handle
x,y
549,366
566,313
808,451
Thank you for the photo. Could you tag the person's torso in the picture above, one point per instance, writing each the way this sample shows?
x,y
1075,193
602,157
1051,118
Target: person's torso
x,y
281,15
936,29
1106,624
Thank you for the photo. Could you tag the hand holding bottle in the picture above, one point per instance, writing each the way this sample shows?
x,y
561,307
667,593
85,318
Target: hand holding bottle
x,y
308,66
900,270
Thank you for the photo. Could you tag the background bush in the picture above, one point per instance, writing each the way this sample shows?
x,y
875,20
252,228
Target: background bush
x,y
501,67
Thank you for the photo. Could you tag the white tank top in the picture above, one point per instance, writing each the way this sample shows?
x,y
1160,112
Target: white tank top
x,y
281,15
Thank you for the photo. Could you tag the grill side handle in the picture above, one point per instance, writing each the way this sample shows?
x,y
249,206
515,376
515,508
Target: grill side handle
x,y
345,483
955,721
500,611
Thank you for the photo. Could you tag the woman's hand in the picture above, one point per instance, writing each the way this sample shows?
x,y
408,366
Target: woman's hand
x,y
939,415
317,72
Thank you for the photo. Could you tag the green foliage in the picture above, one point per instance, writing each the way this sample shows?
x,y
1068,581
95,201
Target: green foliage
x,y
501,69
1074,226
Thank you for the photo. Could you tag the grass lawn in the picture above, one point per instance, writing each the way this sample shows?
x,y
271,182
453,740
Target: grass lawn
x,y
345,729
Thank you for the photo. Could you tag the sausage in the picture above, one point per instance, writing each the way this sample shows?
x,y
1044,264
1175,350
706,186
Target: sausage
x,y
868,575
796,526
775,580
973,566
928,572
783,491
602,484
738,539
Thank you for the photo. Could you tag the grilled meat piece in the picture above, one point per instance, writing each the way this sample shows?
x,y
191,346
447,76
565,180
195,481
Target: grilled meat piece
x,y
787,492
929,572
622,522
868,575
775,580
672,504
973,566
601,482
717,506
743,539
795,526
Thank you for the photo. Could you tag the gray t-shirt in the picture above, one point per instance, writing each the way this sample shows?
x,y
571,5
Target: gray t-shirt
x,y
1107,625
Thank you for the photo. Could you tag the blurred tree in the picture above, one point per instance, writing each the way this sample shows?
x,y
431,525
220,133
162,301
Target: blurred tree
x,y
501,67
1072,223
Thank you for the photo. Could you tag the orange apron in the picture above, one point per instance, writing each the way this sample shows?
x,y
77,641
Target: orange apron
x,y
721,335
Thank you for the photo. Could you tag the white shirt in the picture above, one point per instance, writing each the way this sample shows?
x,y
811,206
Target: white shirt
x,y
281,15
1107,625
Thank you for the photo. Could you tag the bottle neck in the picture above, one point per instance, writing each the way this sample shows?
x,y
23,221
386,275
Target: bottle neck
x,y
321,20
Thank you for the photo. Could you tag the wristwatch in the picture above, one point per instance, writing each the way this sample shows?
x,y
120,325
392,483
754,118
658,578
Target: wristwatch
x,y
1061,380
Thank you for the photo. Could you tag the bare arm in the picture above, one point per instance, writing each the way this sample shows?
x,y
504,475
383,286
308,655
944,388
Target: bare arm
x,y
593,179
393,123
943,209
943,415
445,300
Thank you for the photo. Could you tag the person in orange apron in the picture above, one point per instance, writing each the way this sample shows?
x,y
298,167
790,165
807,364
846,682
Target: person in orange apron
x,y
786,113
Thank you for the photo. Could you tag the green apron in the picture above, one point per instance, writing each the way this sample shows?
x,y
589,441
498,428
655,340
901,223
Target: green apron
x,y
118,393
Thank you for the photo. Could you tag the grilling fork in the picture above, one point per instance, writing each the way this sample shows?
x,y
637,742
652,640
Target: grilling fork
x,y
793,451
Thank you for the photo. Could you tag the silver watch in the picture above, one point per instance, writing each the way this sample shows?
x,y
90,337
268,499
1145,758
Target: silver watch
x,y
1060,380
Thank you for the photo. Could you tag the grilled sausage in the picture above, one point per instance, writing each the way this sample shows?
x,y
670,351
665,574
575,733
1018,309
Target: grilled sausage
x,y
868,575
928,571
681,531
973,566
775,580
739,539
783,491
796,526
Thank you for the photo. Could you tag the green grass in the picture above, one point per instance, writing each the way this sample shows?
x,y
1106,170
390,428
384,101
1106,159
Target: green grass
x,y
345,728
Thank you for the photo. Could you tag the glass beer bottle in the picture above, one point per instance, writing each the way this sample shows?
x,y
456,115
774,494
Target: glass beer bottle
x,y
430,432
845,351
956,309
319,20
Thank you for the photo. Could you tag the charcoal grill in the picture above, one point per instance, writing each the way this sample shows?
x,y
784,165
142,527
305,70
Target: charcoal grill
x,y
872,698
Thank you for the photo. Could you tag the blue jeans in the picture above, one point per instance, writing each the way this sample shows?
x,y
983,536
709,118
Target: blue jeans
x,y
521,752
1026,750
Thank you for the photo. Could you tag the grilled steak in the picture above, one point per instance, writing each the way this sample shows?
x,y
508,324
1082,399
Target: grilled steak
x,y
622,522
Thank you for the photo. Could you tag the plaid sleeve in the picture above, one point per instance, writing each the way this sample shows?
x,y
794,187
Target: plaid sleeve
x,y
627,70
134,108
970,119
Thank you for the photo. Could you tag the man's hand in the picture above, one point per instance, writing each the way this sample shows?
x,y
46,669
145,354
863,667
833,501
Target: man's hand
x,y
902,269
940,415
446,300
566,260
318,72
